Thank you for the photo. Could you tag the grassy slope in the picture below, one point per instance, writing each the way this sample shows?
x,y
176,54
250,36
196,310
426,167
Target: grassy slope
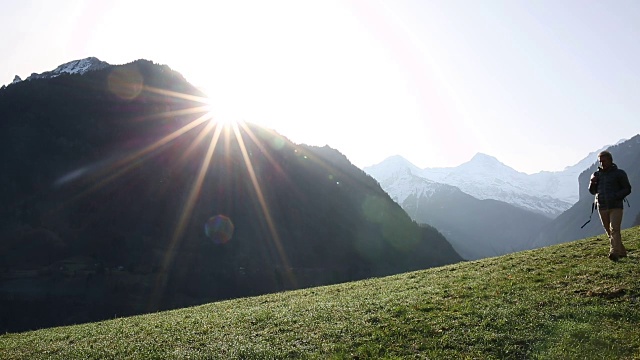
x,y
562,302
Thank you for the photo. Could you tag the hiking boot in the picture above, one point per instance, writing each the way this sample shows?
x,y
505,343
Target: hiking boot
x,y
613,257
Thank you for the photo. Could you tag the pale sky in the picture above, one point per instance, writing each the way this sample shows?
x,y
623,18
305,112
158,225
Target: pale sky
x,y
536,84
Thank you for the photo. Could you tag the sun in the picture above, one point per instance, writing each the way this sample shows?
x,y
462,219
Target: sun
x,y
221,115
229,104
222,110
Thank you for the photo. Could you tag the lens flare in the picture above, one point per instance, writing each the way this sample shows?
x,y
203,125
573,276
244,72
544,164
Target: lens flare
x,y
219,229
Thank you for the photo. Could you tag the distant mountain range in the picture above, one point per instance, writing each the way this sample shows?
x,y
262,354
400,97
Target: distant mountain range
x,y
484,177
483,207
476,228
111,188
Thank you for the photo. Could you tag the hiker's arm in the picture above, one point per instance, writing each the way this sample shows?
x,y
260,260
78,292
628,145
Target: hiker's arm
x,y
593,183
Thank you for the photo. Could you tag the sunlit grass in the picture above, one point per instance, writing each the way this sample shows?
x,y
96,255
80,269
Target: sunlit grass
x,y
562,302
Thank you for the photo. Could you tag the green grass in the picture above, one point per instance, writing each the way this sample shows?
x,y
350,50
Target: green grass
x,y
561,302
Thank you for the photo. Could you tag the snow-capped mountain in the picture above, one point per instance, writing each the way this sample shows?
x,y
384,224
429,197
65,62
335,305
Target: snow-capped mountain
x,y
464,202
485,177
73,67
403,183
467,222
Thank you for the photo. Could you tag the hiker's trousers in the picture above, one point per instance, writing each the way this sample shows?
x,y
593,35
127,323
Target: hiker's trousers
x,y
611,221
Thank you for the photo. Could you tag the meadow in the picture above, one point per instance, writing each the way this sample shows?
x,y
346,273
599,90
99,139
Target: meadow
x,y
565,301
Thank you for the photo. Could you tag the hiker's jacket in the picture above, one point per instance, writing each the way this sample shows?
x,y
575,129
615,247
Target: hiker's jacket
x,y
611,188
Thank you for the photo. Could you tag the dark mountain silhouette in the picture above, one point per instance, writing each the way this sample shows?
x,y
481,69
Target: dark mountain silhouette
x,y
109,179
567,226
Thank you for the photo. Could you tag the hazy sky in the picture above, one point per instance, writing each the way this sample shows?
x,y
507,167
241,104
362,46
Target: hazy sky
x,y
537,84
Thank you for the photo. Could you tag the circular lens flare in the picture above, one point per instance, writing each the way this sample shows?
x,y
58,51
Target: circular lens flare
x,y
219,229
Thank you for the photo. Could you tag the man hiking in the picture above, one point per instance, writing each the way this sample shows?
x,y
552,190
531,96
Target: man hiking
x,y
610,185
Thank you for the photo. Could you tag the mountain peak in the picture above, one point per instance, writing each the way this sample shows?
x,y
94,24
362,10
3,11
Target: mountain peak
x,y
391,165
81,66
397,159
72,67
483,162
481,157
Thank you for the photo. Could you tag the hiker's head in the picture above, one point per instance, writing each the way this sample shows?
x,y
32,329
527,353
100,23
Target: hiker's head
x,y
605,159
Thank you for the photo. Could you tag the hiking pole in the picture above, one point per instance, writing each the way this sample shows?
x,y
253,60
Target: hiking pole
x,y
593,206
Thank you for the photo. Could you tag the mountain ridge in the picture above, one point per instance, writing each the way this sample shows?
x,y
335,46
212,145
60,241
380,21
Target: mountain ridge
x,y
547,192
80,67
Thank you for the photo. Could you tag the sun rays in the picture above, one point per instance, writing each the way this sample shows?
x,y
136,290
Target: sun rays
x,y
206,130
215,126
263,204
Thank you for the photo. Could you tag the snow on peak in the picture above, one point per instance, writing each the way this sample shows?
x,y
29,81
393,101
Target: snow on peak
x,y
397,160
484,157
402,184
484,163
483,177
81,66
390,166
72,67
